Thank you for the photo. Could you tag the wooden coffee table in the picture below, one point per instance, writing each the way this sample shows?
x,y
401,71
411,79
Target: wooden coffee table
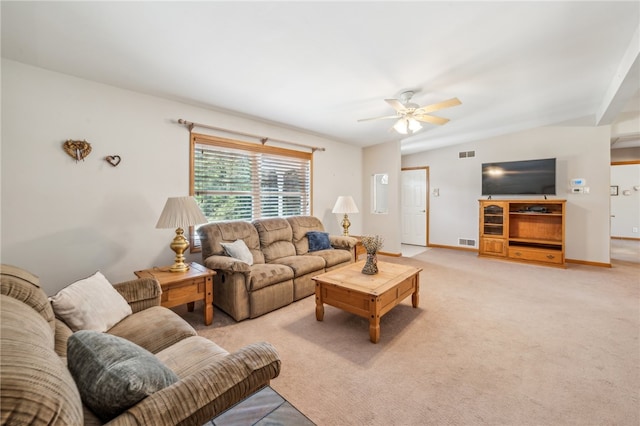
x,y
369,296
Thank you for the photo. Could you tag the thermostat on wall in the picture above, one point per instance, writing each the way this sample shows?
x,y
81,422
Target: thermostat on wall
x,y
578,182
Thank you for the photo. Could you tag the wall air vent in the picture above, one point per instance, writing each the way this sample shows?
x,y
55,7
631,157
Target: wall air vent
x,y
466,242
466,154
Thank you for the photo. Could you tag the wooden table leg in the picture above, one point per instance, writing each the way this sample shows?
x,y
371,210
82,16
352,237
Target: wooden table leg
x,y
319,304
374,320
374,329
190,306
208,301
415,297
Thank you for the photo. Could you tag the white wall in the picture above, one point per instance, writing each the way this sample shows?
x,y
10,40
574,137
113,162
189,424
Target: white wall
x,y
581,152
383,158
63,220
625,207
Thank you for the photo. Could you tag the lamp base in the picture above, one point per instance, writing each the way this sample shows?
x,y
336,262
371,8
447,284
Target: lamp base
x,y
179,245
179,267
345,225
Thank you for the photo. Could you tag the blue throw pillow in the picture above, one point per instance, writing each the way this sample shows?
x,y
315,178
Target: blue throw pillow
x,y
318,240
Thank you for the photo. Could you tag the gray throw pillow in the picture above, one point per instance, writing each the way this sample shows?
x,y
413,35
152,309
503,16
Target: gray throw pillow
x,y
112,373
239,250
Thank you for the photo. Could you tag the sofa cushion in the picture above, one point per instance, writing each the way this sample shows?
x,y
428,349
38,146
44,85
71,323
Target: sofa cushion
x,y
90,304
239,250
25,287
112,373
154,329
275,238
318,240
266,274
302,265
191,355
213,234
333,257
300,225
37,388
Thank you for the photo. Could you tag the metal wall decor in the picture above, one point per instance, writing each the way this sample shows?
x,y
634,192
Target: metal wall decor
x,y
77,150
114,160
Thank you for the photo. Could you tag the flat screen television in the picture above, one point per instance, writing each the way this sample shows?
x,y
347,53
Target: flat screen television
x,y
529,177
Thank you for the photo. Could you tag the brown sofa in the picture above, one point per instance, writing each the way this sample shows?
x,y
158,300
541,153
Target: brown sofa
x,y
282,265
38,387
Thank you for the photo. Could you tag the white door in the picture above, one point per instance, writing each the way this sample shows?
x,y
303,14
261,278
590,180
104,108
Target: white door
x,y
414,207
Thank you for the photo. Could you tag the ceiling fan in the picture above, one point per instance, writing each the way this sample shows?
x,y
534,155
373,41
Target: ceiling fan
x,y
409,115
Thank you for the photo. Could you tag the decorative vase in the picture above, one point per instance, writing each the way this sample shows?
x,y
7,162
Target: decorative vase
x,y
371,265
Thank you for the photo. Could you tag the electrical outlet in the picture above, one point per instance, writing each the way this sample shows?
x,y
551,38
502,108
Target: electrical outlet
x,y
635,229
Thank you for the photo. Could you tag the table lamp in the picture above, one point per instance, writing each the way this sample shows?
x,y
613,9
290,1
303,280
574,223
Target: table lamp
x,y
180,213
345,204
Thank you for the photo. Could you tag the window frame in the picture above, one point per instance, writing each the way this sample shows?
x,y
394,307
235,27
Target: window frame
x,y
217,141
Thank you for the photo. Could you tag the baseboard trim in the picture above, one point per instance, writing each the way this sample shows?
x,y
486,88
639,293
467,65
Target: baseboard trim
x,y
589,263
626,238
452,247
384,253
576,261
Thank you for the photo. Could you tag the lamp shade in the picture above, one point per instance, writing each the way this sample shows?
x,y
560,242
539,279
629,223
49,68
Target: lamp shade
x,y
406,125
345,204
414,125
180,212
401,126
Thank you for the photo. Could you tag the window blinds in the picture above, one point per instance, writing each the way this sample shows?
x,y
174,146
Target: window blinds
x,y
242,181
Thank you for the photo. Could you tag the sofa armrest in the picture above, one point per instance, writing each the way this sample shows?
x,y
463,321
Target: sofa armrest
x,y
63,332
141,293
342,242
199,397
226,264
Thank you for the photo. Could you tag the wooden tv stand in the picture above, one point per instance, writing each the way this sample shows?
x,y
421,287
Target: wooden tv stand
x,y
529,230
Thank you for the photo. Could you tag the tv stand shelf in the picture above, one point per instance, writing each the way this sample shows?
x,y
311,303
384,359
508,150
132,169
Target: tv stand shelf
x,y
523,230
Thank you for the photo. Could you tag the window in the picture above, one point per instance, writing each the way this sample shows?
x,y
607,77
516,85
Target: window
x,y
234,180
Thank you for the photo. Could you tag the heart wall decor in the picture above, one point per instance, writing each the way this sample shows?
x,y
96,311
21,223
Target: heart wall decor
x,y
114,160
77,150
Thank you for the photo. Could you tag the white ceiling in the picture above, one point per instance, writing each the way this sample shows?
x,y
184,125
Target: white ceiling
x,y
321,66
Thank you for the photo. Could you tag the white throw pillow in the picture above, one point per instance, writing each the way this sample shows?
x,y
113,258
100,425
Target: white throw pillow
x,y
239,250
90,304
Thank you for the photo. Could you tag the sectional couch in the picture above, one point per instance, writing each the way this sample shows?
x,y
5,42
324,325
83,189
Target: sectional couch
x,y
149,368
279,261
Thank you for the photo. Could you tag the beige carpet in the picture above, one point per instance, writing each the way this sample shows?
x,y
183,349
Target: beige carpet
x,y
492,343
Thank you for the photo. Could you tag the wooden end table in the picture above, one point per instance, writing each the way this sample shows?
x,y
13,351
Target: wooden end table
x,y
187,287
369,296
358,249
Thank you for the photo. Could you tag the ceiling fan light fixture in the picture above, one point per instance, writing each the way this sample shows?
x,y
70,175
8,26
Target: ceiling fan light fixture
x,y
410,116
401,126
414,125
407,125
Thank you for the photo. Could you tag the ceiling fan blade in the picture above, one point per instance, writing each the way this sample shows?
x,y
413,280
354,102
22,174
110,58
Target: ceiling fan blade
x,y
431,119
440,105
396,104
378,118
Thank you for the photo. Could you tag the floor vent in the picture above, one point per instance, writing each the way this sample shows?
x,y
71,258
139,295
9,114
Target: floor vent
x,y
466,154
466,242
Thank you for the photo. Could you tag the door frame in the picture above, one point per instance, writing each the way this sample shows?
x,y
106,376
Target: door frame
x,y
427,201
611,165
